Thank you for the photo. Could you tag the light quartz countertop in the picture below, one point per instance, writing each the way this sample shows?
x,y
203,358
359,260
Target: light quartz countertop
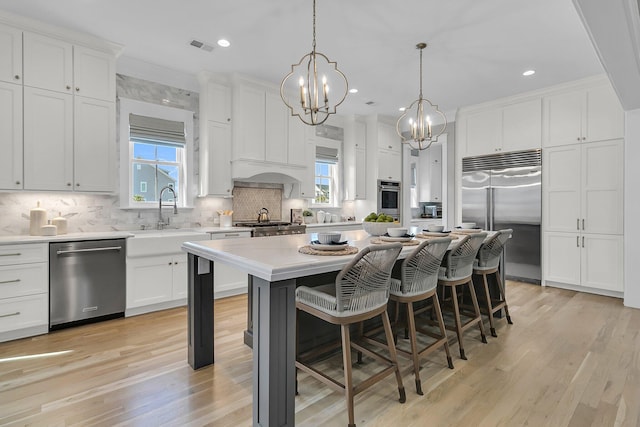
x,y
332,224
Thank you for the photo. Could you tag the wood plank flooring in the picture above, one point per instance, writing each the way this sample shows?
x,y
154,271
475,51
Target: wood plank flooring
x,y
569,359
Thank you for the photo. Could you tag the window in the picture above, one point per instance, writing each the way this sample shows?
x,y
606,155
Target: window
x,y
326,177
156,153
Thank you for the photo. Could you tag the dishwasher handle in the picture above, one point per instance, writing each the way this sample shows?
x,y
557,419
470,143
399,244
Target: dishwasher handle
x,y
106,248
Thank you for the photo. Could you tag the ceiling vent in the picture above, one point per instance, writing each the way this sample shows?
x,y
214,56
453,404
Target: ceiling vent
x,y
370,102
201,45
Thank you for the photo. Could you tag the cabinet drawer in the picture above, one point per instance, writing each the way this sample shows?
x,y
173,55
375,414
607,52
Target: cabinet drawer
x,y
23,254
230,235
25,279
24,312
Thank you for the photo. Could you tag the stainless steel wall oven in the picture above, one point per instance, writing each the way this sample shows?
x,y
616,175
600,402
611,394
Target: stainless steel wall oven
x,y
389,198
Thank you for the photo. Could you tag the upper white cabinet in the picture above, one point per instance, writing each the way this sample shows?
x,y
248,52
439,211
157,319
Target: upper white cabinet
x,y
249,124
582,115
276,129
48,63
297,142
94,74
430,174
504,128
388,138
389,151
355,160
10,136
11,54
215,138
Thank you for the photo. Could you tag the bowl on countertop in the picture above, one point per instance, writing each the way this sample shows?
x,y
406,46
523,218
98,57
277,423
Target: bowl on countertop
x,y
396,231
468,225
378,228
329,237
435,228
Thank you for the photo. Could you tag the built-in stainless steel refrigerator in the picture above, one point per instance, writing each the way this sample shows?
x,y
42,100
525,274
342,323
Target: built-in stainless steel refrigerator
x,y
504,191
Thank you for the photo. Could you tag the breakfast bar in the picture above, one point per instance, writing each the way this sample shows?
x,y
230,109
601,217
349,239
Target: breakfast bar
x,y
274,264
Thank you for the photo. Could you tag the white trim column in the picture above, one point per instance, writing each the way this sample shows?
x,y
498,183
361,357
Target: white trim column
x,y
632,209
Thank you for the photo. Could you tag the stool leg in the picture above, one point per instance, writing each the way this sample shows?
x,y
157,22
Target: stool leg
x,y
411,322
504,298
348,381
474,299
492,327
456,317
393,355
443,330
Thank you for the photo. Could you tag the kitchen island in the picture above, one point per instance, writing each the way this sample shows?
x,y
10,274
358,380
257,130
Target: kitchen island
x,y
275,266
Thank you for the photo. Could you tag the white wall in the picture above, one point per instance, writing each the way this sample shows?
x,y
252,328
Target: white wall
x,y
632,209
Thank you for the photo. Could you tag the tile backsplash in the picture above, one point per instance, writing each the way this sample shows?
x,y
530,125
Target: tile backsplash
x,y
247,201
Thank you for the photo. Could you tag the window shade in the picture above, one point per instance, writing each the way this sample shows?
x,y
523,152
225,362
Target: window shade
x,y
156,131
326,155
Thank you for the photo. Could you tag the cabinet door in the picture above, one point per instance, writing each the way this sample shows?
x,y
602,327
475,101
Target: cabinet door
x,y
10,54
308,185
94,145
296,141
215,170
563,114
562,257
562,187
605,117
179,275
388,138
361,174
522,126
149,281
483,132
94,74
602,264
10,136
276,129
249,124
218,103
48,140
48,63
389,165
602,187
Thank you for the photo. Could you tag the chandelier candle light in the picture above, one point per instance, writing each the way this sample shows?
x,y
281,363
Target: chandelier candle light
x,y
414,126
313,107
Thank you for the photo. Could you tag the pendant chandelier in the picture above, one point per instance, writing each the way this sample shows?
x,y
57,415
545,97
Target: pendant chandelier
x,y
308,85
415,124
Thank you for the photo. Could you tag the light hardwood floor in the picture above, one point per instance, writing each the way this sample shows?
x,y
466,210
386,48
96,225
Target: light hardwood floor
x,y
570,359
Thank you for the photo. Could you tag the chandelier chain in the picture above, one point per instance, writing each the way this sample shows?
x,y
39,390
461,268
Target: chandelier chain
x,y
421,49
314,26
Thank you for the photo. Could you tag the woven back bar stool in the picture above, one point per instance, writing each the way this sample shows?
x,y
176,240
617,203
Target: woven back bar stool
x,y
360,292
457,272
486,263
419,282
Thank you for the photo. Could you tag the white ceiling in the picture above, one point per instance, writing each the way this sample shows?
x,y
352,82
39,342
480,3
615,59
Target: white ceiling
x,y
477,49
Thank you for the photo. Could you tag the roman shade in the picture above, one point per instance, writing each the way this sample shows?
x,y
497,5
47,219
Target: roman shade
x,y
326,155
156,131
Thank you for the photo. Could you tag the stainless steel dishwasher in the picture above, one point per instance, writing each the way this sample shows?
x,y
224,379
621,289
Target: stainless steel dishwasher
x,y
87,281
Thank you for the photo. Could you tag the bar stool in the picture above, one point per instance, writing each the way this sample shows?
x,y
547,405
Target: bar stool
x,y
419,281
486,263
360,292
457,271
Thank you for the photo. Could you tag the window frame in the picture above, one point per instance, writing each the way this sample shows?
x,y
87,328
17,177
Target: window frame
x,y
130,106
337,178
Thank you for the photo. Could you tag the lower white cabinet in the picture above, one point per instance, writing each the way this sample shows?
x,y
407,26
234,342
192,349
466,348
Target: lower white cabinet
x,y
593,261
24,290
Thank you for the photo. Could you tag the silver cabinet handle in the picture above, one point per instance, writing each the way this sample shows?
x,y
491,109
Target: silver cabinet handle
x,y
12,254
577,241
17,313
9,281
583,223
577,223
583,241
231,234
74,251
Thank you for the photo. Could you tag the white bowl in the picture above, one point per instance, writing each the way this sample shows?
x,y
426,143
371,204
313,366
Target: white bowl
x,y
328,237
378,228
435,228
468,225
396,231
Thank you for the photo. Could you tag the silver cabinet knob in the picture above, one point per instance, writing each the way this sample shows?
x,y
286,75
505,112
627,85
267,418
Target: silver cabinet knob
x,y
17,77
77,89
17,182
68,184
68,87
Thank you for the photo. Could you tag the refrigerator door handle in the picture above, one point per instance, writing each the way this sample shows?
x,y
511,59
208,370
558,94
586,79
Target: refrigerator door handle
x,y
492,200
487,209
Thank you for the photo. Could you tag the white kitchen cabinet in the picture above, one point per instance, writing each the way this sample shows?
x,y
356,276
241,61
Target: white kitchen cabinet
x,y
94,74
388,138
215,160
361,174
297,141
355,160
217,103
48,140
229,280
594,261
430,174
48,63
10,136
512,127
24,290
276,129
585,115
308,183
94,145
149,281
10,54
582,188
389,165
249,124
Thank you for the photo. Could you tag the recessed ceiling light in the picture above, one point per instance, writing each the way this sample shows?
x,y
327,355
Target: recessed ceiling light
x,y
224,43
529,73
353,90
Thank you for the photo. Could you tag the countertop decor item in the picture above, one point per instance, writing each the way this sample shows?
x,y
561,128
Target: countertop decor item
x,y
61,223
48,230
414,126
37,219
305,90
